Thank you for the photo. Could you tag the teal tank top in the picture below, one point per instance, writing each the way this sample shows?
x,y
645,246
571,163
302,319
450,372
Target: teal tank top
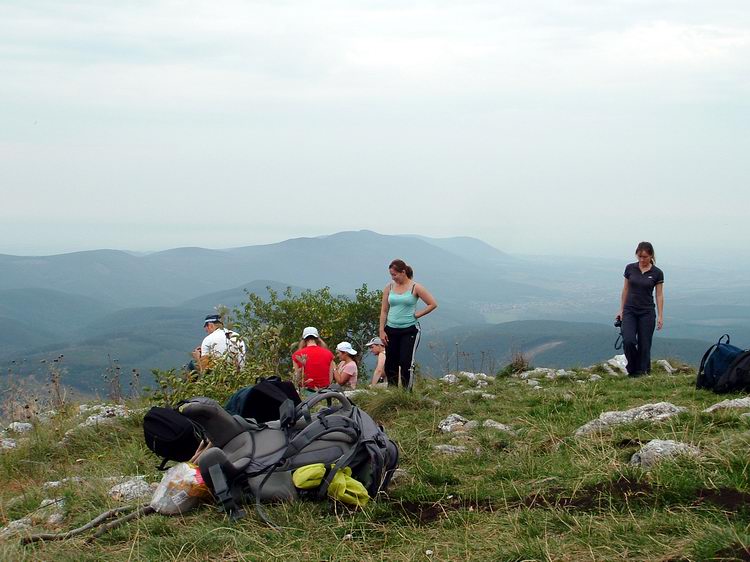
x,y
401,309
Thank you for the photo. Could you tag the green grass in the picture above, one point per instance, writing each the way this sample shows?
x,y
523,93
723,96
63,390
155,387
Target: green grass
x,y
541,494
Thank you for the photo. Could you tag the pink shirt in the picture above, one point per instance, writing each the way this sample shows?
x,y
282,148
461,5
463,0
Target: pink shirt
x,y
349,368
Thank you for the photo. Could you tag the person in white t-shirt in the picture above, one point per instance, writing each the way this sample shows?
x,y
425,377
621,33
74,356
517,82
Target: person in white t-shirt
x,y
220,342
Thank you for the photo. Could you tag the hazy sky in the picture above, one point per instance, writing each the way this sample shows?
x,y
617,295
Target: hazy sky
x,y
539,126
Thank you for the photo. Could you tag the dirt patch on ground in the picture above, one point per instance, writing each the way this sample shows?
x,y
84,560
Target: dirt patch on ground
x,y
734,552
600,495
627,443
588,498
725,498
427,512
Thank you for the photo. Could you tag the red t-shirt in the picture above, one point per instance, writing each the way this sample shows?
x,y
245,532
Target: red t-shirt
x,y
316,363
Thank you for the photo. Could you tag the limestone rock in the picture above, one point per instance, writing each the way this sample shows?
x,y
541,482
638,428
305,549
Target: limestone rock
x,y
469,425
610,371
733,403
7,443
620,363
452,423
595,377
20,427
482,384
664,364
484,395
50,511
657,449
492,424
106,414
647,412
134,489
475,376
450,378
19,526
451,449
533,382
400,475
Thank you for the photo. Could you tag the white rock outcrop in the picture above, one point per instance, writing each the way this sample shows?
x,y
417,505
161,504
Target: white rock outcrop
x,y
451,449
492,424
450,378
134,489
20,427
453,422
647,412
664,364
733,403
658,449
620,363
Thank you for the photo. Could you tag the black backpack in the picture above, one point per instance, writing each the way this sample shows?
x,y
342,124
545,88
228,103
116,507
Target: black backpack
x,y
262,401
737,376
716,362
171,435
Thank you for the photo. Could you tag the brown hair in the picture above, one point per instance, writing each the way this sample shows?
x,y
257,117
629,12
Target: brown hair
x,y
402,267
648,248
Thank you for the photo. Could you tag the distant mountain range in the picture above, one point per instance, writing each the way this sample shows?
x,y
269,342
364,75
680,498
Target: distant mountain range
x,y
145,310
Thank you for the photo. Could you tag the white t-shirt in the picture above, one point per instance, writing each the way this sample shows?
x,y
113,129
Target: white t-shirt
x,y
224,342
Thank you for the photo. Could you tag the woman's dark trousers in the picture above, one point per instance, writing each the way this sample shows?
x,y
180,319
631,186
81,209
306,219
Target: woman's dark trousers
x,y
399,355
637,334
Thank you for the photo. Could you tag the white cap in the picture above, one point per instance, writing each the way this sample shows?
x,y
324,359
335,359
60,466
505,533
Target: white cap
x,y
310,332
346,347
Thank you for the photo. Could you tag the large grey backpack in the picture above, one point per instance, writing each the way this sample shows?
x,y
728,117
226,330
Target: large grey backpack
x,y
254,460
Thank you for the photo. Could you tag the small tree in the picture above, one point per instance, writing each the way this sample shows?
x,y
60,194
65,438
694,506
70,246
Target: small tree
x,y
271,329
337,318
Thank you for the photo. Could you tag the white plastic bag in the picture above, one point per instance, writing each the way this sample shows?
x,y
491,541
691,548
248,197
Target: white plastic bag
x,y
181,489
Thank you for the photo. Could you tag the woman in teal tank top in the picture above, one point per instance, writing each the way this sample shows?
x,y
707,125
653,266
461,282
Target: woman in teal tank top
x,y
399,327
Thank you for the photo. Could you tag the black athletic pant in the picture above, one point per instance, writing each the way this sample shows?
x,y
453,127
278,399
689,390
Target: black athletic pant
x,y
399,354
637,333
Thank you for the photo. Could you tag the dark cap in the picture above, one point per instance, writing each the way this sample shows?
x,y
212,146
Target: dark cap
x,y
212,319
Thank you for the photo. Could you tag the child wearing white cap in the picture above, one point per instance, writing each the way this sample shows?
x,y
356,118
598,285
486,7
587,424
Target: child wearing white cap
x,y
346,371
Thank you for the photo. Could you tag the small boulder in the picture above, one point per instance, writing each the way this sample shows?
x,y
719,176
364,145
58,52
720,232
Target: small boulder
x,y
610,371
450,378
647,412
469,425
20,427
19,526
482,384
7,443
451,449
134,489
733,403
492,424
620,363
453,422
595,377
657,449
533,382
664,364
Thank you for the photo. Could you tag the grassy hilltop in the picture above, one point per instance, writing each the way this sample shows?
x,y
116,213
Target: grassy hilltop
x,y
541,494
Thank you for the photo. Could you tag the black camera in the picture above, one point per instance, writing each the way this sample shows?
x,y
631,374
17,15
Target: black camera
x,y
618,322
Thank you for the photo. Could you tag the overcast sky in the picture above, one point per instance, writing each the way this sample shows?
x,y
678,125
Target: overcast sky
x,y
546,127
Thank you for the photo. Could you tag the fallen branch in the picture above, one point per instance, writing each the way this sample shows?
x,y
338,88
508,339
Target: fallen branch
x,y
144,509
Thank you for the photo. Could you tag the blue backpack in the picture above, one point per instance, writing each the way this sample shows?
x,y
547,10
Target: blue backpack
x,y
716,361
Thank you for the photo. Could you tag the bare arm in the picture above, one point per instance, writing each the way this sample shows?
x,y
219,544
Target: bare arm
x,y
331,372
660,306
384,306
623,298
379,369
427,298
